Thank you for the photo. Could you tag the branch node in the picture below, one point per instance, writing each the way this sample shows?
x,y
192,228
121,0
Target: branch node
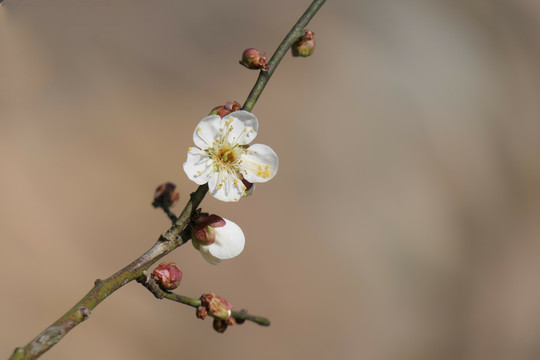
x,y
166,238
83,313
19,353
51,336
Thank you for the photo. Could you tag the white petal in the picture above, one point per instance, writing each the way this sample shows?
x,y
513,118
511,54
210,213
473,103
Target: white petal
x,y
225,187
229,242
207,131
207,256
259,163
243,127
198,167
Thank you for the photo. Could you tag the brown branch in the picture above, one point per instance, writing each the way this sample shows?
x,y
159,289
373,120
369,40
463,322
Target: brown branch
x,y
170,240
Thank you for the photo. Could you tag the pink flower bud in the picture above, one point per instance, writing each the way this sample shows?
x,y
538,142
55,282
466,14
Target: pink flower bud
x,y
216,306
232,106
166,194
305,45
226,109
252,59
167,276
203,228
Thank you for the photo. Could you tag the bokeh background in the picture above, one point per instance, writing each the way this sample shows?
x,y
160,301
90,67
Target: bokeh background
x,y
404,222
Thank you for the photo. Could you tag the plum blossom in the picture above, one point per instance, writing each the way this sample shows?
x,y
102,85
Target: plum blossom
x,y
216,238
224,161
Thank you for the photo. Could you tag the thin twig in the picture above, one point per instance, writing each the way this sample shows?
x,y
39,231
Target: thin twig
x,y
154,288
166,209
282,49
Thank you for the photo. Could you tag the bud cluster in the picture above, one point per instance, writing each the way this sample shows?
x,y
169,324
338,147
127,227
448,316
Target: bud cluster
x,y
218,308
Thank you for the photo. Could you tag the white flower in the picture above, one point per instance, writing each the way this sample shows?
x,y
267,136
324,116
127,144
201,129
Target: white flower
x,y
222,158
228,242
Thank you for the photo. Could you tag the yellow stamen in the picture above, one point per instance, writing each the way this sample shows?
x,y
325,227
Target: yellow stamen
x,y
263,173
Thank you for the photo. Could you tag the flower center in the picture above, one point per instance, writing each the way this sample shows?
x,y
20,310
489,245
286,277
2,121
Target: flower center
x,y
226,157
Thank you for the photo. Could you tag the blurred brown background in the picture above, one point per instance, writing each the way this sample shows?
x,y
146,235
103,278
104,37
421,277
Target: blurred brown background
x,y
403,222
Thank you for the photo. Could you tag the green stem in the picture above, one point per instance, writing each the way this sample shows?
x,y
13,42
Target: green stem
x,y
288,41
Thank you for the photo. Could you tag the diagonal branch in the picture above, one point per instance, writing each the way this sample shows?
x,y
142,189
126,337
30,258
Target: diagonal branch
x,y
170,240
167,242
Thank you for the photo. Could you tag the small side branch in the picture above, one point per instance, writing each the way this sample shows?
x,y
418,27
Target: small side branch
x,y
241,315
166,209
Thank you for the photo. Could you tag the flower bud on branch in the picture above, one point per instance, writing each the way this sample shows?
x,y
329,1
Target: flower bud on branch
x,y
252,59
226,109
305,45
220,325
201,312
216,306
219,309
166,194
167,276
